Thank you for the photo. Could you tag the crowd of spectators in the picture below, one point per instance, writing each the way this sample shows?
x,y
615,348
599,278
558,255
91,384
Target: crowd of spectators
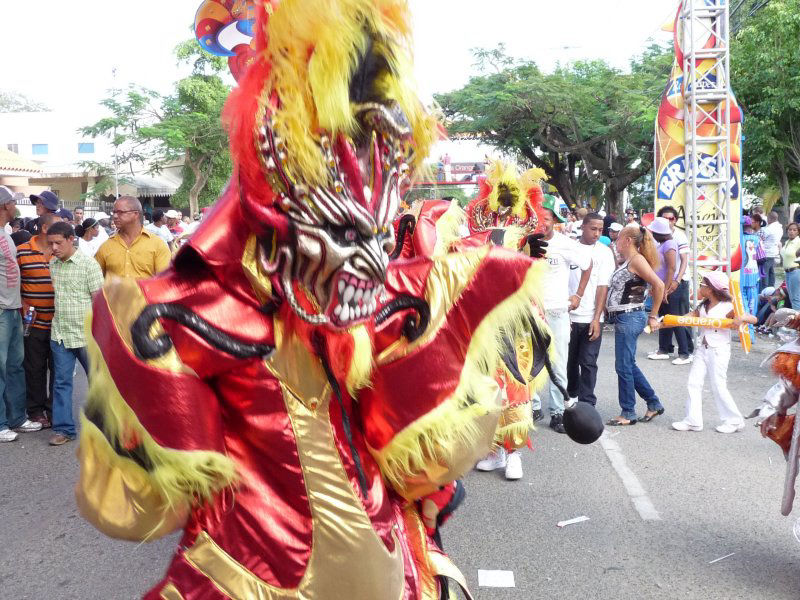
x,y
51,267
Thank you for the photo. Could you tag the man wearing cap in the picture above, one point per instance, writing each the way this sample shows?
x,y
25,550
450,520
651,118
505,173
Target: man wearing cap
x,y
668,272
174,223
13,418
613,232
562,255
65,215
46,202
681,293
132,251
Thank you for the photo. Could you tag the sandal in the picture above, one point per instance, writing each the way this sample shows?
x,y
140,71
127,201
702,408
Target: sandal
x,y
648,417
618,423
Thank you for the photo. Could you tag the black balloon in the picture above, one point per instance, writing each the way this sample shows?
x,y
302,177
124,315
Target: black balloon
x,y
583,423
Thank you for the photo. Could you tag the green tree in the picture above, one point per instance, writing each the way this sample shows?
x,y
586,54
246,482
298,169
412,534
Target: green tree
x,y
765,56
11,101
588,125
156,131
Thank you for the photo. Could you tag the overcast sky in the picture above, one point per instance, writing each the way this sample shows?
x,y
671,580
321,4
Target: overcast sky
x,y
63,53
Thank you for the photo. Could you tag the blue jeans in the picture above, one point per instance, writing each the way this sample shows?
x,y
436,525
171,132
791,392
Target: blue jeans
x,y
793,284
630,380
12,375
750,302
560,327
63,368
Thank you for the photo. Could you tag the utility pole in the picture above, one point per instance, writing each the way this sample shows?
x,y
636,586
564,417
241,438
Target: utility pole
x,y
116,169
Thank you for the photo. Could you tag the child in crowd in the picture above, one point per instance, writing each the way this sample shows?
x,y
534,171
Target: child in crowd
x,y
771,299
711,356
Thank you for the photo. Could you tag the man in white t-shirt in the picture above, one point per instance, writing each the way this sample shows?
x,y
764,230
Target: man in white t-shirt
x,y
772,235
587,320
159,227
562,254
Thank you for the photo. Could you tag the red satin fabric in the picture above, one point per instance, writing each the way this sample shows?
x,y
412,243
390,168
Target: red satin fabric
x,y
236,407
396,400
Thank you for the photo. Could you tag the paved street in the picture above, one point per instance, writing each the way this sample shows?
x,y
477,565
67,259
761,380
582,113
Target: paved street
x,y
712,496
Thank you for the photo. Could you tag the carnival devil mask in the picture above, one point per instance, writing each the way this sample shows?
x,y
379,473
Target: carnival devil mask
x,y
323,149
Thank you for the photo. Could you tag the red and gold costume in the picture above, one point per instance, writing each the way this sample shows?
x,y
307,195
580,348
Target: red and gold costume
x,y
506,212
283,393
781,426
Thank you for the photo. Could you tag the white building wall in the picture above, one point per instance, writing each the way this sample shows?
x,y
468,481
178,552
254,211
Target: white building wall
x,y
60,132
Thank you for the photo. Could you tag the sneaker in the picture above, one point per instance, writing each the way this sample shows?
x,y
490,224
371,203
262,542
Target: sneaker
x,y
658,356
28,426
514,466
729,427
6,435
682,360
537,415
684,426
557,423
496,460
59,439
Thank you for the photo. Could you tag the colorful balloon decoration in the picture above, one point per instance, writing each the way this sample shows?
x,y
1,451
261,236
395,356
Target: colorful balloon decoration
x,y
225,28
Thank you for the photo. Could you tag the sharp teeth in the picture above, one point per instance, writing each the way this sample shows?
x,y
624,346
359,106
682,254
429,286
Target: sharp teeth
x,y
342,285
348,294
345,316
338,310
373,306
358,312
359,295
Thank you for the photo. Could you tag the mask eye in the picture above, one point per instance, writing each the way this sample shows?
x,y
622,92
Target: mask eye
x,y
344,235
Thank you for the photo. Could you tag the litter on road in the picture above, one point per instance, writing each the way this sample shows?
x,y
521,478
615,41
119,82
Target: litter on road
x,y
572,521
498,579
716,560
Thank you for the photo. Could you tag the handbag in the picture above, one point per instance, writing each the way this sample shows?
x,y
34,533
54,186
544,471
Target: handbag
x,y
760,256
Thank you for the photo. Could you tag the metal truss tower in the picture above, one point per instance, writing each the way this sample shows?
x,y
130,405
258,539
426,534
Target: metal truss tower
x,y
707,127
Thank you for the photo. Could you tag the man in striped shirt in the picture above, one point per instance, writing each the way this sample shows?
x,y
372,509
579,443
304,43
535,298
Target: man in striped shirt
x,y
37,292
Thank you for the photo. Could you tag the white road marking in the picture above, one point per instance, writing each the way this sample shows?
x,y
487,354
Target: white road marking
x,y
499,579
641,501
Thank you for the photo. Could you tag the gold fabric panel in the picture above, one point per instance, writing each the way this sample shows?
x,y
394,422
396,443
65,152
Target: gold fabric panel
x,y
348,559
170,592
255,274
117,496
444,567
126,302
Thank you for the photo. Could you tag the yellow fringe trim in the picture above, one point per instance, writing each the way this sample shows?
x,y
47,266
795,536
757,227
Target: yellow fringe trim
x,y
448,228
500,173
513,237
358,377
530,179
180,476
314,48
514,434
433,437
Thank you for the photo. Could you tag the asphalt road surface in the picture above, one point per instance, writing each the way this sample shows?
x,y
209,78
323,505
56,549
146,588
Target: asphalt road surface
x,y
662,507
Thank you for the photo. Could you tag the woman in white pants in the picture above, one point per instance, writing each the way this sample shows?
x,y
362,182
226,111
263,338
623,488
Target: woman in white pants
x,y
711,357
